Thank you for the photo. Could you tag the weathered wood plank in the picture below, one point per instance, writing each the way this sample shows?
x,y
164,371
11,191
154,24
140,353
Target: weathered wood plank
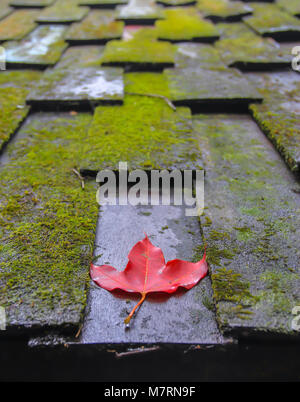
x,y
223,10
5,9
278,115
40,49
80,57
97,28
210,87
47,226
17,25
291,6
184,318
251,227
62,12
269,20
138,12
77,87
195,55
247,51
145,132
140,52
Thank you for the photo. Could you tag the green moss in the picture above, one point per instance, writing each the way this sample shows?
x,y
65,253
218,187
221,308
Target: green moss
x,y
13,111
142,48
147,83
228,286
145,213
278,117
291,6
214,235
217,7
264,247
47,223
215,254
232,312
145,132
55,51
184,24
14,86
229,30
17,25
244,233
5,9
19,79
207,221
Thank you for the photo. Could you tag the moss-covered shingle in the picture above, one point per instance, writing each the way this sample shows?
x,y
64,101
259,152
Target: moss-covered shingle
x,y
185,25
145,132
270,20
223,10
17,25
40,49
97,28
47,226
141,52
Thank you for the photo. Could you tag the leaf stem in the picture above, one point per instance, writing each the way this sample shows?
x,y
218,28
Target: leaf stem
x,y
128,318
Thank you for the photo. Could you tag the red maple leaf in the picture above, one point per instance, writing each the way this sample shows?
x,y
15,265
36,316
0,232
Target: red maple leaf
x,y
147,272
